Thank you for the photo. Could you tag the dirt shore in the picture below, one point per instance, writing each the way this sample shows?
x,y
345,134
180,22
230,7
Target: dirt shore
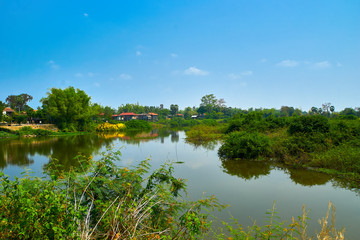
x,y
15,127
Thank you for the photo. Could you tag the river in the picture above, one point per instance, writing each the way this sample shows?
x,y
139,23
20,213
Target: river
x,y
250,188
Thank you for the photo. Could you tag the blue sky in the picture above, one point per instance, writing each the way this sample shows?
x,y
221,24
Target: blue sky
x,y
252,53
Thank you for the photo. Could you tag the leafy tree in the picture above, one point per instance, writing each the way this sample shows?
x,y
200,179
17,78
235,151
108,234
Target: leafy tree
x,y
332,109
209,102
2,107
314,110
68,108
287,111
174,108
18,102
348,112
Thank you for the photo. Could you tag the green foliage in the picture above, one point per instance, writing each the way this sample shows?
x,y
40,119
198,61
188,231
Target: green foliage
x,y
35,208
138,125
68,108
309,124
20,118
245,145
37,132
18,102
101,200
201,133
344,158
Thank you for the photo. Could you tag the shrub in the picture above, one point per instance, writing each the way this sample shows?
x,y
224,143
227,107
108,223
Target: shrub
x,y
203,133
105,202
245,145
344,158
140,125
309,124
108,127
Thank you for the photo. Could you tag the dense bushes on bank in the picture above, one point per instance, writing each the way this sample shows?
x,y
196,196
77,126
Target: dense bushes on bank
x,y
139,125
245,145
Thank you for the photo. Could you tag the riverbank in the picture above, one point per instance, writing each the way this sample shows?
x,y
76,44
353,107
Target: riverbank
x,y
109,201
312,142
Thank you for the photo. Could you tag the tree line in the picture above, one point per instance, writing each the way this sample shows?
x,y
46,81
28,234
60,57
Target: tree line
x,y
72,110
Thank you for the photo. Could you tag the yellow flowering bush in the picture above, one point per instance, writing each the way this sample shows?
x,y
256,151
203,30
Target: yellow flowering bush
x,y
108,127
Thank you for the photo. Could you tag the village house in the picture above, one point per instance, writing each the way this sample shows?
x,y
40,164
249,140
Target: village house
x,y
8,112
148,116
125,116
133,116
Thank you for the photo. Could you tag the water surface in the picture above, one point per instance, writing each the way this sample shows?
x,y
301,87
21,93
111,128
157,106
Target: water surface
x,y
249,187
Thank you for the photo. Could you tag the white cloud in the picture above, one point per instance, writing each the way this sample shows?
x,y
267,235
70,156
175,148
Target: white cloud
x,y
321,65
195,71
90,74
53,65
79,75
174,55
138,53
234,76
85,14
96,84
125,76
247,73
238,76
288,63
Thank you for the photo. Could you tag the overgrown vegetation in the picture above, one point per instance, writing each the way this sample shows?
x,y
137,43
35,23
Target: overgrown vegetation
x,y
300,141
100,200
108,127
137,125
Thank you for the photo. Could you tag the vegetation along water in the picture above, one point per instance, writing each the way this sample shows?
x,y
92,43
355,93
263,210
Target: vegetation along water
x,y
246,158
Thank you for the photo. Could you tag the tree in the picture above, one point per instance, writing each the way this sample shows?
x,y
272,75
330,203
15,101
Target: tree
x,y
287,111
314,110
332,109
68,108
18,102
325,107
209,102
174,108
2,107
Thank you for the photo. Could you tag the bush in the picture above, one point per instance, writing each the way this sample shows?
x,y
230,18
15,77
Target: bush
x,y
37,132
140,125
309,124
105,202
344,158
203,133
245,145
108,127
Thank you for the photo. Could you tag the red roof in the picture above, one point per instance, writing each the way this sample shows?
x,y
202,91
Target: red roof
x,y
128,114
101,114
7,109
153,114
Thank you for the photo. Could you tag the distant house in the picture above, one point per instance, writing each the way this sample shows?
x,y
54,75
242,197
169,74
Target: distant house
x,y
194,116
154,116
8,112
125,116
179,115
148,116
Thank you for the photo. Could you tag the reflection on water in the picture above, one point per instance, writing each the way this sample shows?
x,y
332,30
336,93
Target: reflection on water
x,y
21,152
250,187
308,178
208,145
246,169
